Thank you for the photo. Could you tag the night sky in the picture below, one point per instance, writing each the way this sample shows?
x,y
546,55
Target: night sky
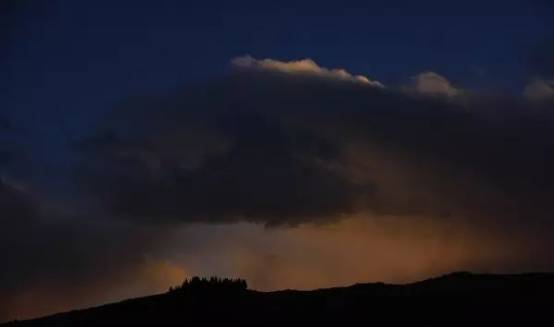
x,y
293,144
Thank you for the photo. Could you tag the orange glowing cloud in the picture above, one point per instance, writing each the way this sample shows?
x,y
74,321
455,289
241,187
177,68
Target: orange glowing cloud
x,y
362,248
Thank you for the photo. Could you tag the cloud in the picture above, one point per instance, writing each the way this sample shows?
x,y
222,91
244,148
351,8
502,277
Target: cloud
x,y
433,84
303,67
539,90
52,258
266,174
286,150
297,145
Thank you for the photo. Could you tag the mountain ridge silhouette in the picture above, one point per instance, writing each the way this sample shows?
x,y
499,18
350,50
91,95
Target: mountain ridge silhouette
x,y
459,298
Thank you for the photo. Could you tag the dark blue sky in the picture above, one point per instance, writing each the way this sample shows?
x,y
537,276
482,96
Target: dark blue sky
x,y
66,63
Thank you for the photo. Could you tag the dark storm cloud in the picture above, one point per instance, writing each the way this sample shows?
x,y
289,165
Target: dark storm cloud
x,y
251,167
51,247
48,251
286,146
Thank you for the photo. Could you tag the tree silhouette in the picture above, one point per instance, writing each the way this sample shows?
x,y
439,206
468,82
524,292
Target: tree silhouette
x,y
213,283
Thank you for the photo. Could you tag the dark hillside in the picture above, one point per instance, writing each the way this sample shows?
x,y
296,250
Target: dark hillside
x,y
456,299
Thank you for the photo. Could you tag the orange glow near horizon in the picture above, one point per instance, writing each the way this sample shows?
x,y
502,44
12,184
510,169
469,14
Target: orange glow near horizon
x,y
354,250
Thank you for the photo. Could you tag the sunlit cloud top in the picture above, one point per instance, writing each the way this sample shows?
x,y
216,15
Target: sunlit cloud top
x,y
433,84
304,66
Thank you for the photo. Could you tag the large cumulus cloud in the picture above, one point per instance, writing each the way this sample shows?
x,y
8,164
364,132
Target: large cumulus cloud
x,y
278,147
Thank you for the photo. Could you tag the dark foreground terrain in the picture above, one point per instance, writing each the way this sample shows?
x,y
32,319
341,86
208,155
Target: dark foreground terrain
x,y
456,299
